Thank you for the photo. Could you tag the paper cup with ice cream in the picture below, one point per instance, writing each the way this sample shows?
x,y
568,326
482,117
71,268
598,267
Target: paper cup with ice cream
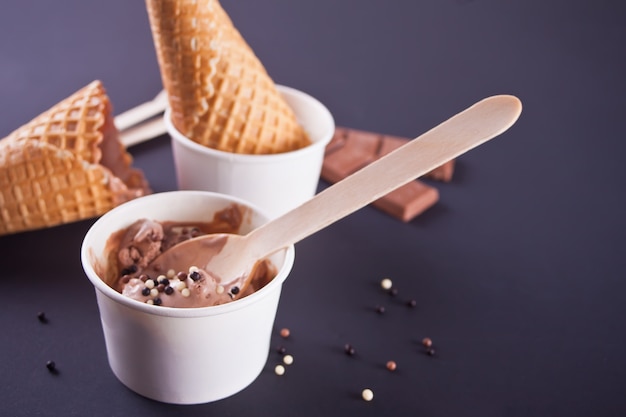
x,y
173,333
233,130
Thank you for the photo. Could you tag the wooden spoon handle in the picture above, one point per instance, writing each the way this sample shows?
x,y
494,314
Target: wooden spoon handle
x,y
141,112
143,132
477,124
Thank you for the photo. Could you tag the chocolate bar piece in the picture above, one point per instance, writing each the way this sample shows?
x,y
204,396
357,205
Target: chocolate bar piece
x,y
351,149
348,152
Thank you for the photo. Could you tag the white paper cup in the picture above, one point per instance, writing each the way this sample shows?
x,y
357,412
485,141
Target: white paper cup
x,y
183,355
276,183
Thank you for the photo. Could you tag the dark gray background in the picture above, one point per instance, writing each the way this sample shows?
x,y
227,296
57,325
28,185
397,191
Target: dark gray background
x,y
518,271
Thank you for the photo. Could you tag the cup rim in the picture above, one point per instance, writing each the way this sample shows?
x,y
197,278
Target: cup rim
x,y
254,158
106,290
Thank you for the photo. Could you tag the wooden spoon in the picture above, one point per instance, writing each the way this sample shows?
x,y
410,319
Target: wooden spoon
x,y
140,123
230,257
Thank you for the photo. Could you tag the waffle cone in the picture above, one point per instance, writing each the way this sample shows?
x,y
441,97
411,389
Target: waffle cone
x,y
65,165
220,94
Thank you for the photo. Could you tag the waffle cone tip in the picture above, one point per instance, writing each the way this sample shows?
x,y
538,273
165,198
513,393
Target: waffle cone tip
x,y
220,94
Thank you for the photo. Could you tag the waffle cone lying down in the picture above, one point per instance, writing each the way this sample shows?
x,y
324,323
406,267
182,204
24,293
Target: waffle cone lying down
x,y
65,165
219,92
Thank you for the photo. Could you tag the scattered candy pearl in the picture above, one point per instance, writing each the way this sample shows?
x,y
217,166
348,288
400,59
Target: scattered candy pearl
x,y
234,290
380,309
391,365
288,359
171,273
367,394
150,283
185,292
349,349
411,303
393,292
219,289
431,352
193,269
181,285
150,301
195,275
279,370
169,290
284,332
154,292
42,317
427,342
281,350
386,284
52,366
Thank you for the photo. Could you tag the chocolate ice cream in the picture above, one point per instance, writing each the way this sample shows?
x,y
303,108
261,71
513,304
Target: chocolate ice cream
x,y
140,275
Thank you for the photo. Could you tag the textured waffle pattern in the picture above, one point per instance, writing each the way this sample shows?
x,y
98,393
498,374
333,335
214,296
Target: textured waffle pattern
x,y
220,94
51,171
74,124
42,186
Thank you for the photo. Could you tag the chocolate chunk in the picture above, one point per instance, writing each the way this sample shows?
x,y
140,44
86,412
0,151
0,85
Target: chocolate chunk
x,y
409,201
351,150
357,150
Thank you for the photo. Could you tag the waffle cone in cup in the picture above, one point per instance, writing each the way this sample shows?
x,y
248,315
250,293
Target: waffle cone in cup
x,y
220,94
65,165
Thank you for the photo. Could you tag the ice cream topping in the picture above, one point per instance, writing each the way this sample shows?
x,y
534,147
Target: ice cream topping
x,y
134,255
